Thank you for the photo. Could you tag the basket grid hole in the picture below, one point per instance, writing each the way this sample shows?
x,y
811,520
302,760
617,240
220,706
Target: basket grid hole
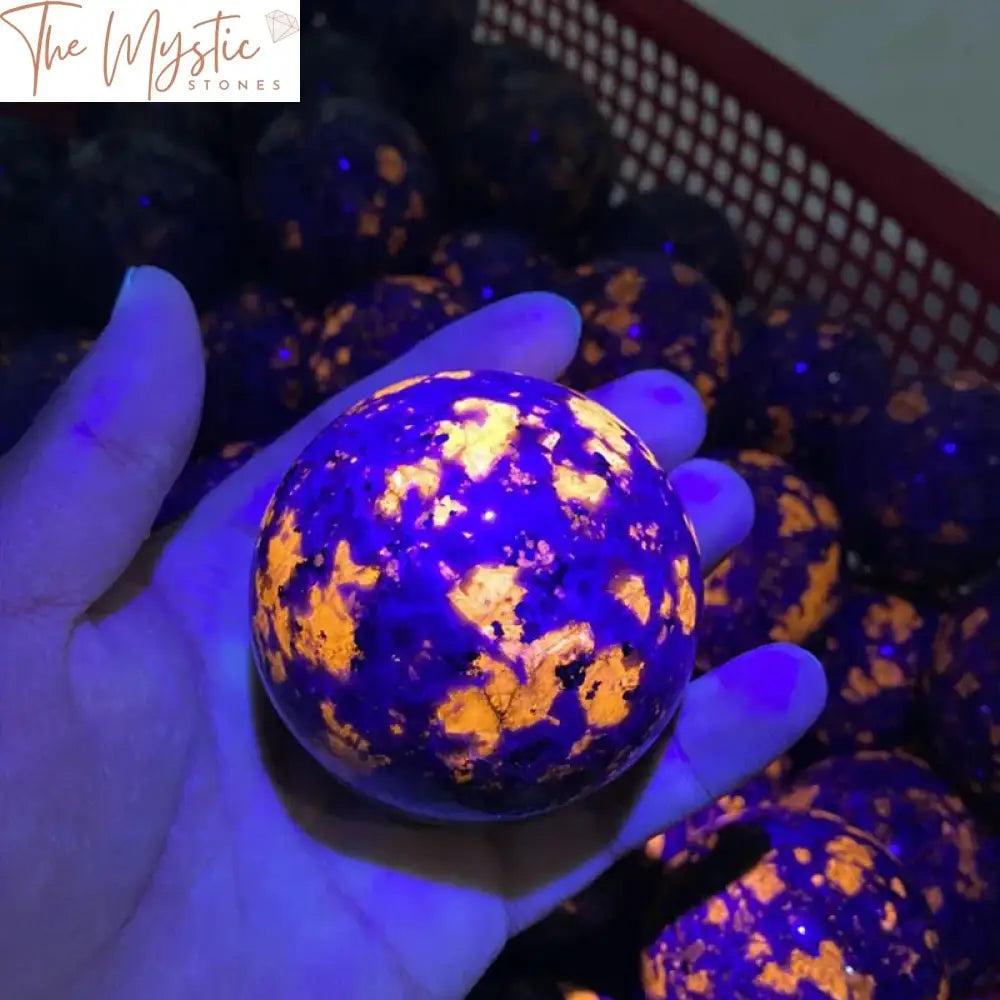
x,y
690,80
709,94
709,124
742,187
749,156
657,155
630,168
850,274
843,194
907,364
731,110
609,24
722,171
668,96
572,32
728,140
649,51
734,215
784,220
791,189
668,64
695,182
891,233
553,48
883,264
986,351
814,207
795,268
774,143
572,60
817,286
591,43
626,95
896,316
703,155
647,181
715,196
611,58
753,232
993,318
805,237
860,243
689,108
795,157
866,213
554,16
872,296
628,37
638,139
819,177
921,337
645,111
836,226
518,22
676,169
770,173
933,306
942,274
763,203
588,70
649,81
947,359
774,250
752,125
968,296
536,36
621,127
663,125
590,11
829,256
838,305
684,140
959,328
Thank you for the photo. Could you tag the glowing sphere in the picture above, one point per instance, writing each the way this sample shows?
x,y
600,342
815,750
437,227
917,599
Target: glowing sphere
x,y
475,596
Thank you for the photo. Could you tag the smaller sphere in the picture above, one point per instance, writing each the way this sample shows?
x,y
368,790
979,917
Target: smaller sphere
x,y
685,227
798,380
200,477
486,265
783,582
780,904
648,311
919,480
32,164
257,382
136,198
947,857
522,143
366,329
32,367
762,789
875,651
341,191
963,692
475,597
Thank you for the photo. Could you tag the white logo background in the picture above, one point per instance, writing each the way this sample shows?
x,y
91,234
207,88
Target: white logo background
x,y
185,51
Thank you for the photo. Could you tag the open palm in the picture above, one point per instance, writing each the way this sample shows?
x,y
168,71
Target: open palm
x,y
163,837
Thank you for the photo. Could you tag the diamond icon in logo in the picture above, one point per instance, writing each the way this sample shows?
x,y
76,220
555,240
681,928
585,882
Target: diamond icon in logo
x,y
281,25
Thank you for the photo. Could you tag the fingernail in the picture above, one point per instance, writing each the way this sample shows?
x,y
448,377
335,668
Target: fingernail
x,y
123,291
700,487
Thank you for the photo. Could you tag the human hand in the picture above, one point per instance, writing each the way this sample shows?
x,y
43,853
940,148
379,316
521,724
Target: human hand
x,y
162,837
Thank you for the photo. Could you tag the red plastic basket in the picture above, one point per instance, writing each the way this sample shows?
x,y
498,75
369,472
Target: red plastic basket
x,y
828,206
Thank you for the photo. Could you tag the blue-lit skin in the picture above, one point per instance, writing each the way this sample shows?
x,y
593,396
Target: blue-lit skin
x,y
805,906
485,265
646,310
919,480
799,378
947,857
475,596
875,650
200,477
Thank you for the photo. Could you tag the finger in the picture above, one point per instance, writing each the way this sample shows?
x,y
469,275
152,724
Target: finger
x,y
79,492
535,333
719,504
732,724
661,408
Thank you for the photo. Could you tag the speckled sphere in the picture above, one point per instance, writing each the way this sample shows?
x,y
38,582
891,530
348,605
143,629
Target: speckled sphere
x,y
799,378
783,904
486,265
685,227
762,789
875,650
475,596
136,198
200,477
594,936
32,367
781,584
341,191
257,379
522,143
31,165
366,329
947,857
646,311
962,692
920,480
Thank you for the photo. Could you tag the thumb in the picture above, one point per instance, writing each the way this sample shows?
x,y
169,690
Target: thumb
x,y
80,490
